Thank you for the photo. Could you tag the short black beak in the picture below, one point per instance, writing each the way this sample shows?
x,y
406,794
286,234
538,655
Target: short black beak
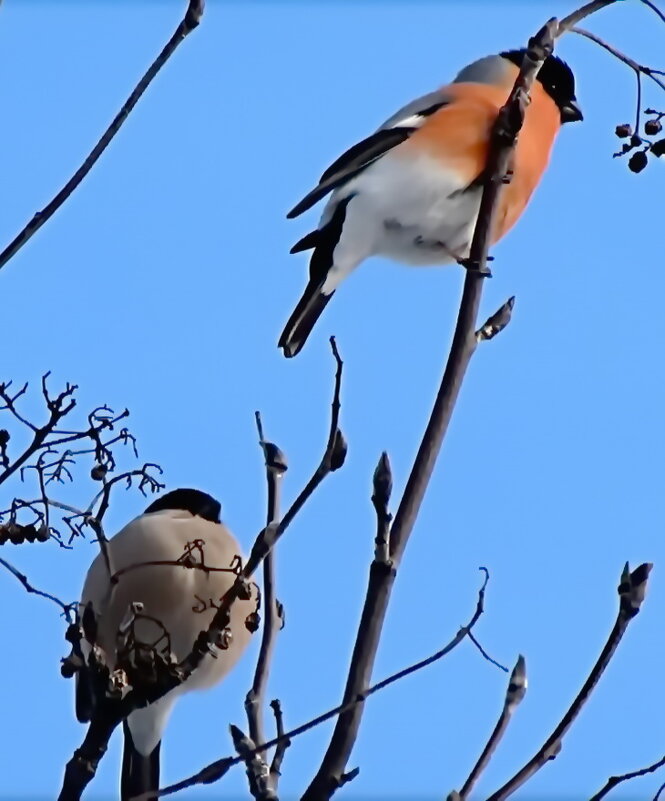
x,y
571,112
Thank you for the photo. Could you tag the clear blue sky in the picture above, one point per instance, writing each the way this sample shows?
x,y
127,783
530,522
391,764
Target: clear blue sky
x,y
162,285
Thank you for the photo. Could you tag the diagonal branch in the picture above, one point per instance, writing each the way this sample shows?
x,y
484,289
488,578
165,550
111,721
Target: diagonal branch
x,y
582,13
336,447
638,68
503,140
189,22
66,608
654,8
333,458
612,782
632,589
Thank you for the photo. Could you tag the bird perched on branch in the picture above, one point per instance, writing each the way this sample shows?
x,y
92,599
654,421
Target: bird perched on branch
x,y
411,191
175,601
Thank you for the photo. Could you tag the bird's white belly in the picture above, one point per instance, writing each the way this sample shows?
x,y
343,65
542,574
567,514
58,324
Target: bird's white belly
x,y
417,211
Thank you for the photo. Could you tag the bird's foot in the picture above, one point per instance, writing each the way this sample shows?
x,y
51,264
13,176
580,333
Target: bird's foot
x,y
474,267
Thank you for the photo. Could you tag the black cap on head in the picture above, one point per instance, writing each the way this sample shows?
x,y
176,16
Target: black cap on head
x,y
189,500
557,80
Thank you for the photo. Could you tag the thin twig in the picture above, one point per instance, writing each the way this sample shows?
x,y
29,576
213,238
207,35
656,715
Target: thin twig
x,y
614,780
631,590
332,459
264,786
58,407
258,772
638,102
639,69
486,655
514,695
10,403
335,451
282,745
190,21
654,8
216,770
581,13
66,608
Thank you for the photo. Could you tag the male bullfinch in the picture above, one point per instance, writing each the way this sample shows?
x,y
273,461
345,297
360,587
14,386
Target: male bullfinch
x,y
182,600
411,191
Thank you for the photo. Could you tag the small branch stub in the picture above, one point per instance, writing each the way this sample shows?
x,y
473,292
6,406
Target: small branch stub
x,y
497,322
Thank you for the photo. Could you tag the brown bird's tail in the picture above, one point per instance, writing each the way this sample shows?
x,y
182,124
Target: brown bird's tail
x,y
300,324
140,774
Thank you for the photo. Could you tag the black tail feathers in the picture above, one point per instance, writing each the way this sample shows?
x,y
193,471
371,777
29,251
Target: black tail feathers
x,y
140,774
300,324
310,306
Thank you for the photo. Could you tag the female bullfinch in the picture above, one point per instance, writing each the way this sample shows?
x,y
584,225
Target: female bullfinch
x,y
182,600
411,191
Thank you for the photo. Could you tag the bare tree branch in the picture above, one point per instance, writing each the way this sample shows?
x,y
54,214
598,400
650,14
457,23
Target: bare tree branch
x,y
639,69
263,785
218,769
632,589
614,780
382,575
58,407
654,8
52,465
190,21
581,13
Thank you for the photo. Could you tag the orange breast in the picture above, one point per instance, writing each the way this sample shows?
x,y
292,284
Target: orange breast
x,y
458,135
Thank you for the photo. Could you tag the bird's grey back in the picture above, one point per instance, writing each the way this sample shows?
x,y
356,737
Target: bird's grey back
x,y
490,70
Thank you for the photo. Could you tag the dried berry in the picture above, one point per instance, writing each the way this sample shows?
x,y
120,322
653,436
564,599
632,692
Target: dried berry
x,y
622,131
635,140
638,161
252,622
29,533
15,532
98,472
4,437
42,534
658,148
653,127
